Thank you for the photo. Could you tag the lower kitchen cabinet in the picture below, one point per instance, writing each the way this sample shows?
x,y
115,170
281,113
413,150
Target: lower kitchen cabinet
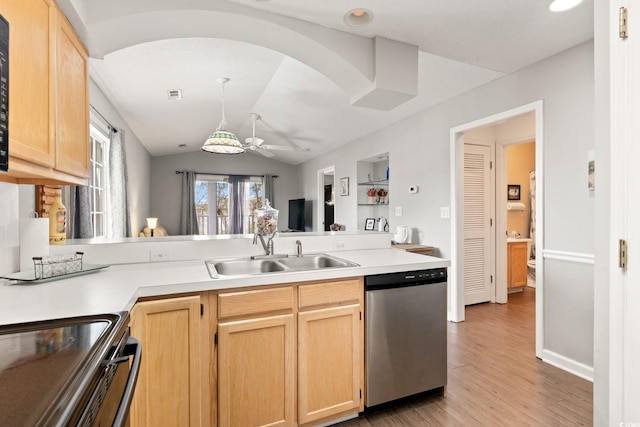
x,y
330,349
168,392
256,360
329,359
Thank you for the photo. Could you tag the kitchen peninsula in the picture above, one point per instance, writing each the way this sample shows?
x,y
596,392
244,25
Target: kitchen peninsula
x,y
195,328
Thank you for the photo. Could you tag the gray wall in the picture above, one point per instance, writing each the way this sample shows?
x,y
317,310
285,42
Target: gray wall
x,y
419,154
165,184
138,159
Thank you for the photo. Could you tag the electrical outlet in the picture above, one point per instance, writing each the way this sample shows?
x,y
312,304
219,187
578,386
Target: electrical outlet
x,y
398,210
339,245
444,212
158,256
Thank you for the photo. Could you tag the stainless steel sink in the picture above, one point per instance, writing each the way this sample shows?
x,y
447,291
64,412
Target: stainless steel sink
x,y
314,262
249,266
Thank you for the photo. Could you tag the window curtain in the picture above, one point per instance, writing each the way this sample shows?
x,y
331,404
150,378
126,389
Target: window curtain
x,y
80,223
120,224
269,189
237,193
188,215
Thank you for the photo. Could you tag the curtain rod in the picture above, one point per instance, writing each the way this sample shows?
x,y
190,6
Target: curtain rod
x,y
225,174
95,110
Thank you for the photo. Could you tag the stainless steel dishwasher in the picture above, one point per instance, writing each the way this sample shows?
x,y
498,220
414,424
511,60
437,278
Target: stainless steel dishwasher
x,y
406,334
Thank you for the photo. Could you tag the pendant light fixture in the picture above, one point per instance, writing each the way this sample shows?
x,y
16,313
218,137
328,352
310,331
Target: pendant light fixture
x,y
222,141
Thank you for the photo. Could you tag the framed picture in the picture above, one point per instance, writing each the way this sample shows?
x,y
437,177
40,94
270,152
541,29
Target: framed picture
x,y
344,186
370,224
513,192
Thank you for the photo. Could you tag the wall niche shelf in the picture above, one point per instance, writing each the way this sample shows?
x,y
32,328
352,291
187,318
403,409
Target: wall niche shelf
x,y
372,173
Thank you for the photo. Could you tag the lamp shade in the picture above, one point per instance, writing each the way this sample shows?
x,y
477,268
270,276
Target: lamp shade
x,y
152,223
223,142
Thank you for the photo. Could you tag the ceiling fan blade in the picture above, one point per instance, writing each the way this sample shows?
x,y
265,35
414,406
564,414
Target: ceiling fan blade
x,y
265,153
252,140
279,147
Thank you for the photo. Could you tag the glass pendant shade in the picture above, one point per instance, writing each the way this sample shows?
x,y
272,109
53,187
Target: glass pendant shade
x,y
223,142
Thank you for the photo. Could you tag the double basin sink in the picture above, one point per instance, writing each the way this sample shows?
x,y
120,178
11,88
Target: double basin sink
x,y
275,264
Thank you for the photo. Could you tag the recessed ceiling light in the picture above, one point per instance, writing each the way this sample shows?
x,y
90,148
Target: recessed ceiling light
x,y
358,17
562,5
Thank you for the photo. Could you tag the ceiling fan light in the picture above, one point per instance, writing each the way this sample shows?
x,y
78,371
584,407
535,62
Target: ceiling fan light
x,y
562,5
223,142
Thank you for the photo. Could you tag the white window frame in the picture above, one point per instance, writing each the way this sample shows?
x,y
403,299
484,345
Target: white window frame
x,y
98,139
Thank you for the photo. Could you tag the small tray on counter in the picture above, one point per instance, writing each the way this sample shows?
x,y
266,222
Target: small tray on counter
x,y
28,276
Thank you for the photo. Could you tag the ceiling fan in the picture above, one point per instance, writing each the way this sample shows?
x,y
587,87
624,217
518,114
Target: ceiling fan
x,y
254,143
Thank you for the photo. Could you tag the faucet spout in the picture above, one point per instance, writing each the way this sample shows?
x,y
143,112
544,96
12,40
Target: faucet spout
x,y
266,246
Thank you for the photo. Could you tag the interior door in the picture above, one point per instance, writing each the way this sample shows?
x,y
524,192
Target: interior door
x,y
625,153
478,199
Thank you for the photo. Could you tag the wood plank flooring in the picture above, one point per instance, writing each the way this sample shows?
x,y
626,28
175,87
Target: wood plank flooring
x,y
494,378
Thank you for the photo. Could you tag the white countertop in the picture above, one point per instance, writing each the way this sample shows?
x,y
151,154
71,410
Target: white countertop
x,y
118,287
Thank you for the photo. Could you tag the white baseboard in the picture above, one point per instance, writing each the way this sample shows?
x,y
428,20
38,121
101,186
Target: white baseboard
x,y
576,368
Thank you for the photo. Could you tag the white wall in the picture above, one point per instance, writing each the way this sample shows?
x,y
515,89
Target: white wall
x,y
165,184
419,154
138,159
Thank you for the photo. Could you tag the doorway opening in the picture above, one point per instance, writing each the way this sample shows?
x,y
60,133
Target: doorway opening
x,y
326,197
497,263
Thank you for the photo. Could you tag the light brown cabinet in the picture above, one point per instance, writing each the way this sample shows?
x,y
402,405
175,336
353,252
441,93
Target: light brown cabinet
x,y
416,249
256,358
168,392
48,96
330,350
516,264
276,353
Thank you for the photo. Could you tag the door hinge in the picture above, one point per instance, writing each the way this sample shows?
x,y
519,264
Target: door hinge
x,y
215,338
360,315
491,278
490,222
201,309
622,254
490,165
623,23
360,394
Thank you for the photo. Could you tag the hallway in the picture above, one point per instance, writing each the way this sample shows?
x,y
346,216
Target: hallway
x,y
494,377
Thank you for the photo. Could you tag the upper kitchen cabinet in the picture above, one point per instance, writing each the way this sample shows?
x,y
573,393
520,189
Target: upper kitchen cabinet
x,y
48,96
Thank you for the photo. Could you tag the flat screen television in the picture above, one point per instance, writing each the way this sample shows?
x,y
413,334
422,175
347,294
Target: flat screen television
x,y
296,215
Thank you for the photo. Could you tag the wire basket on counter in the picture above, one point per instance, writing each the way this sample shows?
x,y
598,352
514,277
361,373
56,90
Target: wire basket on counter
x,y
47,267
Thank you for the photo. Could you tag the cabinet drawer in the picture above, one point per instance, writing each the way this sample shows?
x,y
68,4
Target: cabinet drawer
x,y
233,304
340,292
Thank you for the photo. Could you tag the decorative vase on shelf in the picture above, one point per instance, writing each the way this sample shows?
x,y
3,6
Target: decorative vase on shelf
x,y
57,220
382,195
371,195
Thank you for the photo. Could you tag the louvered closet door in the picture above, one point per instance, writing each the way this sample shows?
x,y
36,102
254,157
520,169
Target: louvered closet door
x,y
477,229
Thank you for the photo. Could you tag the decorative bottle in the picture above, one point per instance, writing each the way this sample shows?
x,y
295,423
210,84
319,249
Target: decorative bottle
x,y
57,220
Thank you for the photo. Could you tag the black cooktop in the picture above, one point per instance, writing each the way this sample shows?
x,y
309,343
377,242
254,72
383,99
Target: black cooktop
x,y
43,365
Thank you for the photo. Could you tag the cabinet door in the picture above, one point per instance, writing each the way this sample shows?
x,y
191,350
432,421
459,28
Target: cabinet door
x,y
72,102
517,269
256,367
329,362
30,91
168,388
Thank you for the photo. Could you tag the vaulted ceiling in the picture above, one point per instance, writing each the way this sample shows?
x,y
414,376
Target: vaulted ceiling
x,y
299,66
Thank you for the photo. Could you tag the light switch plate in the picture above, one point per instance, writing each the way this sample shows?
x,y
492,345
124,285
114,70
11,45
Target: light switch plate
x,y
398,210
444,212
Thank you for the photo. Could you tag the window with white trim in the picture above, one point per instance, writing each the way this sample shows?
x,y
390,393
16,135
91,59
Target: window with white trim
x,y
99,142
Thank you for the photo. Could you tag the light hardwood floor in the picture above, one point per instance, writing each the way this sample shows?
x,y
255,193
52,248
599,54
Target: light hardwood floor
x,y
494,378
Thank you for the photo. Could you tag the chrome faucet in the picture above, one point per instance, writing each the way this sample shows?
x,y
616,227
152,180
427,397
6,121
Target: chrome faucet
x,y
298,248
268,245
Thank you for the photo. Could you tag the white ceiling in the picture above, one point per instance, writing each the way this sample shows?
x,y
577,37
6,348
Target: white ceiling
x,y
463,44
